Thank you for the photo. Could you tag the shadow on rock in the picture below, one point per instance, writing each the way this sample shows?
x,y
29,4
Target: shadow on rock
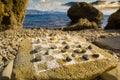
x,y
4,78
108,76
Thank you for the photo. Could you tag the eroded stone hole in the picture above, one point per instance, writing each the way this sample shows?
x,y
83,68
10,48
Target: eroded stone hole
x,y
4,1
6,20
14,1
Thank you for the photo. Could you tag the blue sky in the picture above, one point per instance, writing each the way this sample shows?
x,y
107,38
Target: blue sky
x,y
53,5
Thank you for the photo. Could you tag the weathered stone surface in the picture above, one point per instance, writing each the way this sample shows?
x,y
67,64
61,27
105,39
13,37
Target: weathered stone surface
x,y
112,43
114,21
84,10
1,58
81,25
6,74
12,13
25,66
112,75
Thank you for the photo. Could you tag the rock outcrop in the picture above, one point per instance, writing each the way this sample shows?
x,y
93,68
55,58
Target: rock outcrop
x,y
112,75
70,58
81,25
111,43
85,10
114,21
12,14
82,12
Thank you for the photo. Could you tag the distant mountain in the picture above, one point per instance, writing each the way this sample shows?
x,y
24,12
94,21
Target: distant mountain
x,y
33,12
69,4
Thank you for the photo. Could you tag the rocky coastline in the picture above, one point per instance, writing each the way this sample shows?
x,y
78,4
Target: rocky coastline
x,y
11,39
85,26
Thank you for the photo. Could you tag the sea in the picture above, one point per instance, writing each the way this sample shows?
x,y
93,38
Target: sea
x,y
50,20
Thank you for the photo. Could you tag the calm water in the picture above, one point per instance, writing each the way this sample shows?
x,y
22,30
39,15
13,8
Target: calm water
x,y
51,20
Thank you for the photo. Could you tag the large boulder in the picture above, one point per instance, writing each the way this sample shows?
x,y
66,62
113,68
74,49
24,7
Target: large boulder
x,y
114,21
84,10
111,43
12,13
61,58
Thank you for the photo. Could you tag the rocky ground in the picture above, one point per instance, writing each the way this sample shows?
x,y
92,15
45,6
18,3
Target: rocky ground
x,y
10,40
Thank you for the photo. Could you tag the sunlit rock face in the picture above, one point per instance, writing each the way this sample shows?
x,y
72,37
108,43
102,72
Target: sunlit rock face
x,y
12,14
84,16
114,21
84,10
55,57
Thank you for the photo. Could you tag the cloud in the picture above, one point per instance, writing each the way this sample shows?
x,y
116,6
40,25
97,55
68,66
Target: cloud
x,y
46,5
51,5
37,6
45,0
30,1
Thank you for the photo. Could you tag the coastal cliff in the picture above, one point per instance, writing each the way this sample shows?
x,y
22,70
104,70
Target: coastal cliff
x,y
12,14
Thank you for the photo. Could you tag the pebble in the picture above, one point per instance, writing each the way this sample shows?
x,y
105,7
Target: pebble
x,y
37,49
68,59
95,55
77,51
67,47
73,55
53,47
38,57
89,47
63,51
47,53
64,42
85,57
79,46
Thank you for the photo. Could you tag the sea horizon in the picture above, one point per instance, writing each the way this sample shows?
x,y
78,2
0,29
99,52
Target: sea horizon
x,y
51,19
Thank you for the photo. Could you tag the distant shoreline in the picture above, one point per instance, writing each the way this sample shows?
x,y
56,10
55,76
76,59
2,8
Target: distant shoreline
x,y
50,21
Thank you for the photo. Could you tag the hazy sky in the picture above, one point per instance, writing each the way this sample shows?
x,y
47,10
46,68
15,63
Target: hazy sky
x,y
53,5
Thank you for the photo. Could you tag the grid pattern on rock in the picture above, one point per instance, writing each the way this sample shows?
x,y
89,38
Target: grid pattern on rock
x,y
53,52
